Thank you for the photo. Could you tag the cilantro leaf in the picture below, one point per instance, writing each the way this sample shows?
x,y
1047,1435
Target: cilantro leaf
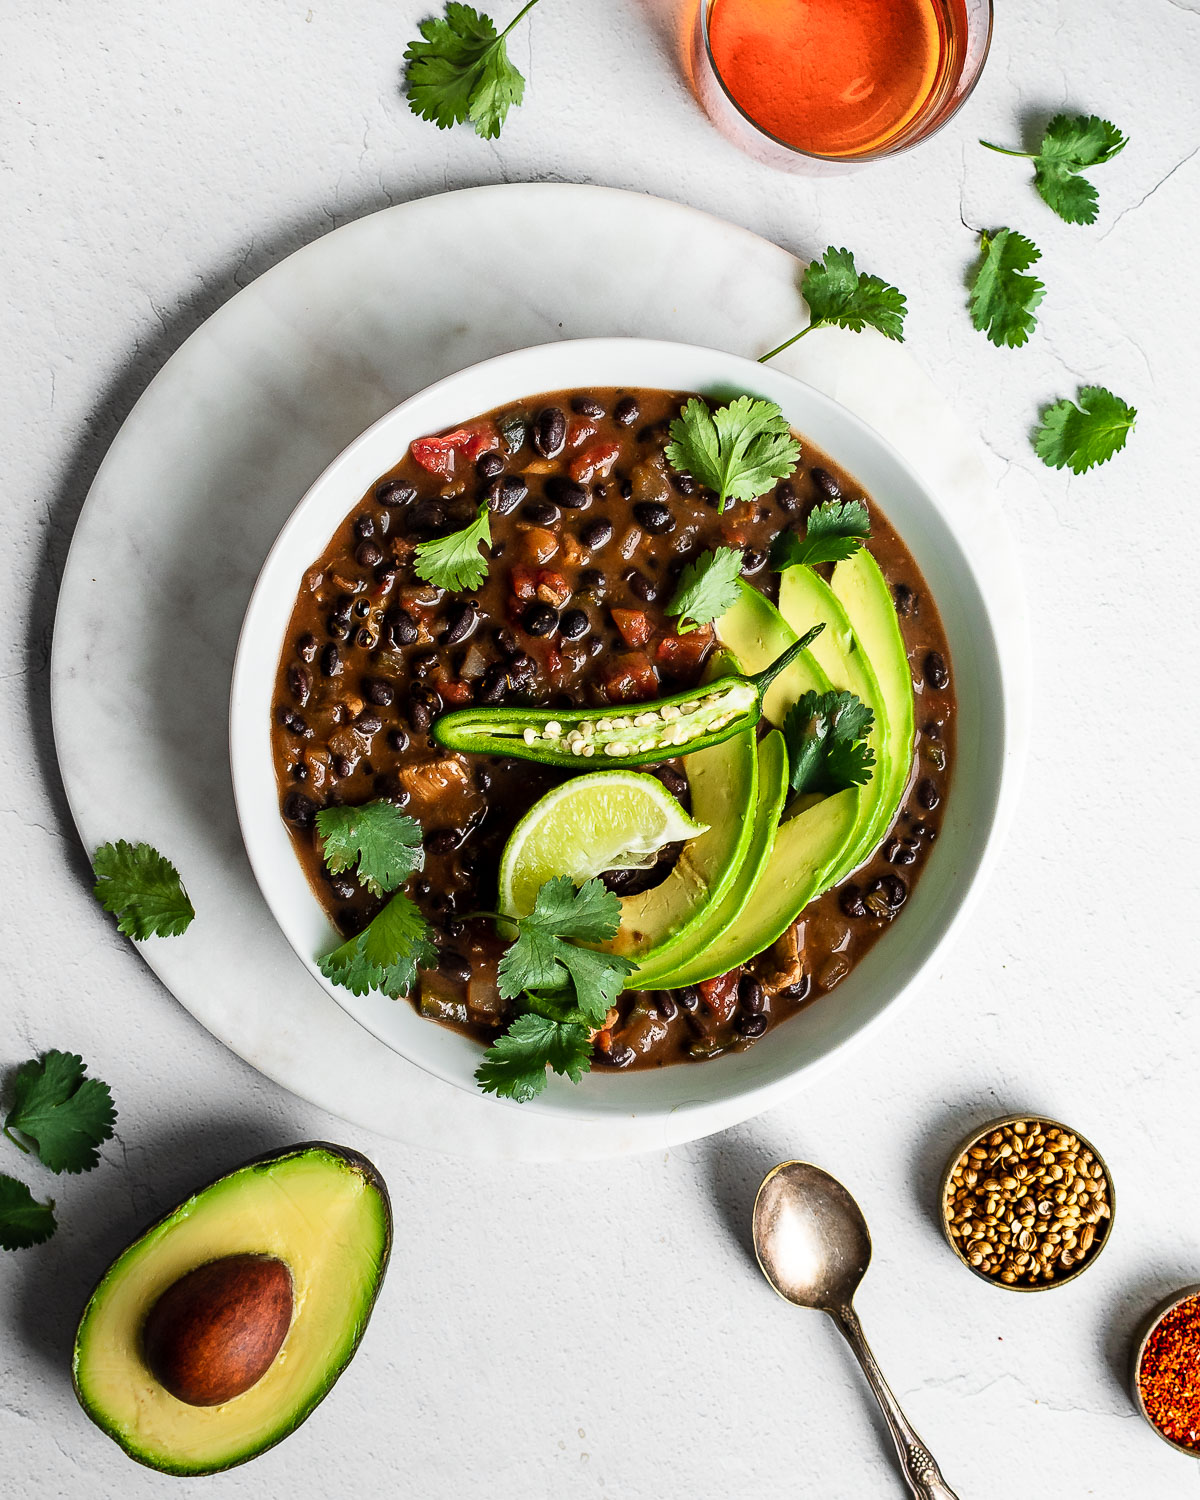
x,y
386,954
514,1066
461,71
825,735
707,587
832,532
64,1113
23,1220
378,837
1070,143
542,958
839,295
738,450
1080,436
1002,300
454,562
142,889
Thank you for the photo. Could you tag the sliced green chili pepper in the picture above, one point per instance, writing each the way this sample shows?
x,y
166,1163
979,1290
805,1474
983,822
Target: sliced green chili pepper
x,y
644,733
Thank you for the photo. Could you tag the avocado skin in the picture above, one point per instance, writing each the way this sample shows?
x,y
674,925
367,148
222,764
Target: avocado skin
x,y
372,1176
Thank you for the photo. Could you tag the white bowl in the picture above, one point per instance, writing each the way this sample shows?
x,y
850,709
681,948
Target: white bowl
x,y
890,971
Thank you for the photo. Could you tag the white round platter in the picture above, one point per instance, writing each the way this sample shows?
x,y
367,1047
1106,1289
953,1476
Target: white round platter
x,y
231,434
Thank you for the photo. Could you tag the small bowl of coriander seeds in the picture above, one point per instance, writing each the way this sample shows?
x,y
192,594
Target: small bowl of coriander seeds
x,y
1027,1203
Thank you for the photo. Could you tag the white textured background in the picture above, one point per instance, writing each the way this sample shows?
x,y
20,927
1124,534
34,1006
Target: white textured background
x,y
571,1331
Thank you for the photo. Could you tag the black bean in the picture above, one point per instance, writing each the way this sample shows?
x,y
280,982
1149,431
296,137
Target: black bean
x,y
460,622
494,686
750,1026
550,431
905,599
593,584
655,517
299,771
574,624
338,628
597,533
380,692
443,840
893,889
368,722
365,639
666,1006
342,766
684,484
586,406
453,965
331,661
300,684
566,492
540,619
422,887
541,513
367,554
428,515
754,560
937,673
798,991
640,586
489,465
506,641
595,645
675,781
397,740
927,794
420,715
826,483
361,609
626,490
620,1056
506,493
307,648
396,492
403,627
364,528
426,663
786,497
850,900
343,889
689,998
295,724
385,577
299,809
483,778
627,411
751,996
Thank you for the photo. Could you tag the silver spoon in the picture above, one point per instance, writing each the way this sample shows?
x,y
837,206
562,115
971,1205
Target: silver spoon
x,y
813,1246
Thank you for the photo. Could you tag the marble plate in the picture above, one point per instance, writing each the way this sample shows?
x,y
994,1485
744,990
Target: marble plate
x,y
233,431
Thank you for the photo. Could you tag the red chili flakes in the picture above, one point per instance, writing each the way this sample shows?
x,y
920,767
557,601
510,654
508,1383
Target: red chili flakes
x,y
1169,1374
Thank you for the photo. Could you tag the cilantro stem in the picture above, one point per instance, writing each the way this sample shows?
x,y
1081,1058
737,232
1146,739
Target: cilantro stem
x,y
787,343
520,16
1004,151
16,1142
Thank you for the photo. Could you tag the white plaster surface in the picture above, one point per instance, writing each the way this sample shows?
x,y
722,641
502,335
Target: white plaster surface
x,y
567,1330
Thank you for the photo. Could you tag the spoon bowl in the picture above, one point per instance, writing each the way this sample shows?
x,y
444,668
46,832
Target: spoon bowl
x,y
810,1237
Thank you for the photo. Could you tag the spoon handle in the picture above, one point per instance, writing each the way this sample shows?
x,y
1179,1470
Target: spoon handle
x,y
920,1469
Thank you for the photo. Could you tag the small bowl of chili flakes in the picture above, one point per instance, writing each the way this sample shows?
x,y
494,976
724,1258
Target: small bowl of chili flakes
x,y
1166,1371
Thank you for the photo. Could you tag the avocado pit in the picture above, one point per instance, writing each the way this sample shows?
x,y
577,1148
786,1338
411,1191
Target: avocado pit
x,y
216,1331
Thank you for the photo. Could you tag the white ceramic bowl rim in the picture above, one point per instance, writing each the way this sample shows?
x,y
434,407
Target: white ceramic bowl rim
x,y
889,974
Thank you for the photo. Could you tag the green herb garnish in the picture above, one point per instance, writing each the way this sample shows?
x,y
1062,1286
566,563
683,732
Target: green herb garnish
x,y
23,1220
59,1110
461,71
1078,437
384,843
826,741
738,451
833,531
142,889
454,562
841,296
386,954
1002,299
1070,144
707,587
514,1066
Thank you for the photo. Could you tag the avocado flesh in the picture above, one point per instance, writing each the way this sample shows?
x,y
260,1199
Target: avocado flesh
x,y
757,634
325,1213
863,593
772,792
804,601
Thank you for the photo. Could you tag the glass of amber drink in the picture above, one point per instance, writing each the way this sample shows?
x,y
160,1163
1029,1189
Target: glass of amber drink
x,y
819,85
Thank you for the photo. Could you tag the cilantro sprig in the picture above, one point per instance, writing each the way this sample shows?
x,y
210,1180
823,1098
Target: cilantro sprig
x,y
1002,297
1079,437
738,450
461,71
707,587
142,889
833,531
563,992
386,954
23,1220
1070,144
382,841
454,562
839,295
826,737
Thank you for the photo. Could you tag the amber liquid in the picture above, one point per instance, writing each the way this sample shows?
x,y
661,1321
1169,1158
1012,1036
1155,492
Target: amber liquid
x,y
838,78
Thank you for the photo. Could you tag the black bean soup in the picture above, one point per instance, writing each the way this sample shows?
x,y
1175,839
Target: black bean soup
x,y
586,546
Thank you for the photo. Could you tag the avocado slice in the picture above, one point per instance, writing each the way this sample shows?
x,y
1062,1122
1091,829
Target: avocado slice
x,y
806,849
321,1210
757,634
663,973
863,593
804,601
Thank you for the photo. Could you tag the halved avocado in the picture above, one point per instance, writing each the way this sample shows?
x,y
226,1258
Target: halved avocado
x,y
320,1209
804,601
757,634
663,974
863,593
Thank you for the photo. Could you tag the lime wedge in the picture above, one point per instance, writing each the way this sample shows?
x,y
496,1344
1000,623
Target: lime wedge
x,y
609,820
